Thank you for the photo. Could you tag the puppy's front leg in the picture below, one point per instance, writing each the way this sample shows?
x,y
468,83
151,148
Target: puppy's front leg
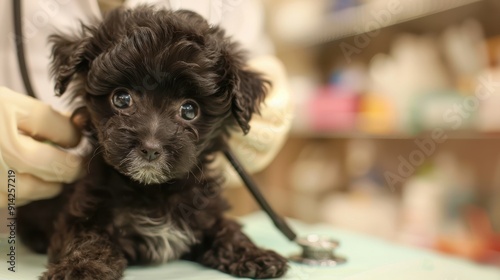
x,y
83,255
229,250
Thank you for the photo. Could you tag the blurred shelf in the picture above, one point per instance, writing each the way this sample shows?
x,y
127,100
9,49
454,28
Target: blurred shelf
x,y
366,18
453,135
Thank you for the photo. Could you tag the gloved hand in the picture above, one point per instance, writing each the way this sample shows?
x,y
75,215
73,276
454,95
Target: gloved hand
x,y
269,129
26,128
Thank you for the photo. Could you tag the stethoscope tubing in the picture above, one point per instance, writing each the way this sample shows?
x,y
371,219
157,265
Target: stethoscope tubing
x,y
19,42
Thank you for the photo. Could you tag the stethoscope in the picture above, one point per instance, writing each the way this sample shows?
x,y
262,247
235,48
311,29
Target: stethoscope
x,y
316,249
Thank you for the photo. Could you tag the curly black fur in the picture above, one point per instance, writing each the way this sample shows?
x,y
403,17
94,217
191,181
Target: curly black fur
x,y
135,209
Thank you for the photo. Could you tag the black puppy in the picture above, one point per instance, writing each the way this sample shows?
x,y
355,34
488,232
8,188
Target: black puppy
x,y
162,91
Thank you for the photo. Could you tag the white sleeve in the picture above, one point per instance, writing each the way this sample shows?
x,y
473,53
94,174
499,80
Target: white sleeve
x,y
39,19
243,20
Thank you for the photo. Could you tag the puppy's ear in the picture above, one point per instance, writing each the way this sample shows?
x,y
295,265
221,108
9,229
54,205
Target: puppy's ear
x,y
68,59
249,91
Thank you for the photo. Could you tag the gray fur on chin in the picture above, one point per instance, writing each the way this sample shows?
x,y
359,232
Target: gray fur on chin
x,y
146,172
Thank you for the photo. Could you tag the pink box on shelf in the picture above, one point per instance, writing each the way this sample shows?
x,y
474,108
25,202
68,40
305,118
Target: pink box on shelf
x,y
333,109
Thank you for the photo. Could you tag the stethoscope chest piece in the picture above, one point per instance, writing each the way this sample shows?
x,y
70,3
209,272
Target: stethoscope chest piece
x,y
318,250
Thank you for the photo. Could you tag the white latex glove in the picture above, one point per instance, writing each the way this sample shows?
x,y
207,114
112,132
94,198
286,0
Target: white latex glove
x,y
269,129
40,167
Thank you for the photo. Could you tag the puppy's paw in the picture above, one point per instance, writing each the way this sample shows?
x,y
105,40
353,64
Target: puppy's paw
x,y
89,270
249,262
260,264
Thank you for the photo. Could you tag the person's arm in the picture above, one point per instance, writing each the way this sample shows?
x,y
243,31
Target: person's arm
x,y
269,129
30,131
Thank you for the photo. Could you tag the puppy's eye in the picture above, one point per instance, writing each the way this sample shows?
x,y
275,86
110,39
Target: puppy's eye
x,y
189,110
122,99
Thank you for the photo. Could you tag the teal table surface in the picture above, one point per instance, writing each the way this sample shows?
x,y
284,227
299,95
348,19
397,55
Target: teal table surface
x,y
368,258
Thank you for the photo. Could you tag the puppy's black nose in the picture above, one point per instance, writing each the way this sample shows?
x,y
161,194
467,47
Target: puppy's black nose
x,y
150,150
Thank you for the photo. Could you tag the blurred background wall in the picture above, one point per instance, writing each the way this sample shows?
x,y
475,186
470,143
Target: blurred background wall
x,y
396,126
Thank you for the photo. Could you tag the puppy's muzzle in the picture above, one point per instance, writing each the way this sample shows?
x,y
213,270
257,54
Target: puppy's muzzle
x,y
150,150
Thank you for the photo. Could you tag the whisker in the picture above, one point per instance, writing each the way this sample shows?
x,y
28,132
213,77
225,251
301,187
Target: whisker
x,y
202,174
125,160
96,152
